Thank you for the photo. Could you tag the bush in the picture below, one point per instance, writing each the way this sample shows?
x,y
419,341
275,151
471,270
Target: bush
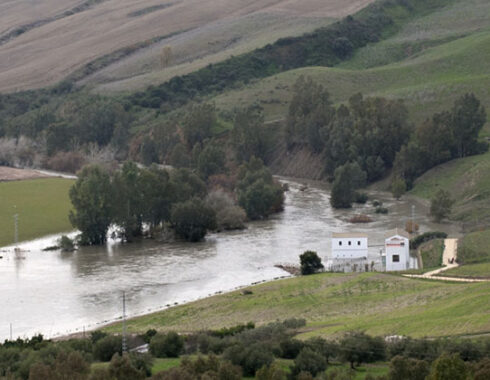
x,y
417,241
448,367
251,358
290,348
66,244
192,219
169,345
357,348
381,210
121,368
68,162
310,263
408,369
149,334
309,361
361,198
228,216
105,348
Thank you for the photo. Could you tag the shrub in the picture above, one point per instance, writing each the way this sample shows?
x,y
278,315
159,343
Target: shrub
x,y
310,263
407,368
309,361
361,198
228,216
169,345
192,219
290,348
250,358
68,162
357,348
294,323
441,205
381,210
149,334
121,368
105,348
417,241
448,367
66,244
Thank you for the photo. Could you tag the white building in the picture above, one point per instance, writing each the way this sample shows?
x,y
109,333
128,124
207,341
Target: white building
x,y
397,250
352,245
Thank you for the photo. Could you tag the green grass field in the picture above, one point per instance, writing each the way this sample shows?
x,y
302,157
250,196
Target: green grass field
x,y
336,303
481,270
42,205
431,253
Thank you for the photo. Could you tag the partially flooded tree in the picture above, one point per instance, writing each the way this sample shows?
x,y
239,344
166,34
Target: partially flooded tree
x,y
92,201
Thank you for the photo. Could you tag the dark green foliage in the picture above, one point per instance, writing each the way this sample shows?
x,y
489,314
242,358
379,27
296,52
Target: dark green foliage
x,y
168,345
97,335
121,368
211,160
258,193
310,263
309,361
427,236
448,367
357,348
230,331
481,370
272,372
179,156
92,199
441,205
149,151
409,369
251,358
192,219
348,178
381,210
66,244
324,47
360,198
447,135
149,334
290,348
105,348
210,368
398,187
198,123
328,349
249,136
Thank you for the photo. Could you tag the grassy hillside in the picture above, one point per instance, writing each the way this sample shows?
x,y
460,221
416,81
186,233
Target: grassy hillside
x,y
42,205
45,43
334,303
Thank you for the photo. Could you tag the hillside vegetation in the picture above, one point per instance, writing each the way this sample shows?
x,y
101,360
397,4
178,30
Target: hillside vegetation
x,y
335,303
46,43
42,206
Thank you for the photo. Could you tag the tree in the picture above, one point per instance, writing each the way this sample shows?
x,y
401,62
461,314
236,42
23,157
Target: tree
x,y
357,348
121,368
441,205
467,118
106,347
272,372
211,161
92,200
168,345
249,136
310,263
408,368
448,367
192,219
198,122
309,361
398,187
348,178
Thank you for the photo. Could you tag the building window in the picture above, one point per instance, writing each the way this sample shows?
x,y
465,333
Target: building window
x,y
340,243
349,243
402,244
396,258
358,243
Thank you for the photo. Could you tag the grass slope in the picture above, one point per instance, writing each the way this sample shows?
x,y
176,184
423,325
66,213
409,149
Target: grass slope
x,y
468,181
470,271
335,303
42,205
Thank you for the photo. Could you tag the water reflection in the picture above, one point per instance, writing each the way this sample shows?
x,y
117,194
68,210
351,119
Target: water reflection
x,y
56,293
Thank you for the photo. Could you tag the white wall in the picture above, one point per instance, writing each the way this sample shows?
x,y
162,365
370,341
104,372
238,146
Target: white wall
x,y
397,245
357,248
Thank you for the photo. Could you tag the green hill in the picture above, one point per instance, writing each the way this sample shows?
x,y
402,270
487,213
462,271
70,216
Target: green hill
x,y
335,303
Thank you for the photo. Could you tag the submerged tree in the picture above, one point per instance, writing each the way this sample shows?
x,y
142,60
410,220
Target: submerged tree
x,y
92,200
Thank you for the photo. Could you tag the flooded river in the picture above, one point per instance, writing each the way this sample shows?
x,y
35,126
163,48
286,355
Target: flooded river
x,y
56,293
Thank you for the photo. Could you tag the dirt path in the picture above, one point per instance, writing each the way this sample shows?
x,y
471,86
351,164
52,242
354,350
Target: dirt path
x,y
449,255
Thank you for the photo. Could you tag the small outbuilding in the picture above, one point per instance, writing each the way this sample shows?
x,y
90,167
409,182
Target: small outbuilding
x,y
350,245
397,250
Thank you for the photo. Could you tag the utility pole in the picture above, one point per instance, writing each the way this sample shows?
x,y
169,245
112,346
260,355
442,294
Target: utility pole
x,y
124,343
11,338
16,229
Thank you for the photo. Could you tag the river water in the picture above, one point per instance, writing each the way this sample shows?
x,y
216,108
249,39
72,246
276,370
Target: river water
x,y
57,293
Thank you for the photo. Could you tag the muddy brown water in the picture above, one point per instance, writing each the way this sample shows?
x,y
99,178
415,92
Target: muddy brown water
x,y
57,293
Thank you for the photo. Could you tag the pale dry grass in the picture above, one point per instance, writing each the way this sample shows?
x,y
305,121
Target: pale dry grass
x,y
47,54
12,174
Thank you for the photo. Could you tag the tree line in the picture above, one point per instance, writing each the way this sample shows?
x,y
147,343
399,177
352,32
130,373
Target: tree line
x,y
267,352
134,198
